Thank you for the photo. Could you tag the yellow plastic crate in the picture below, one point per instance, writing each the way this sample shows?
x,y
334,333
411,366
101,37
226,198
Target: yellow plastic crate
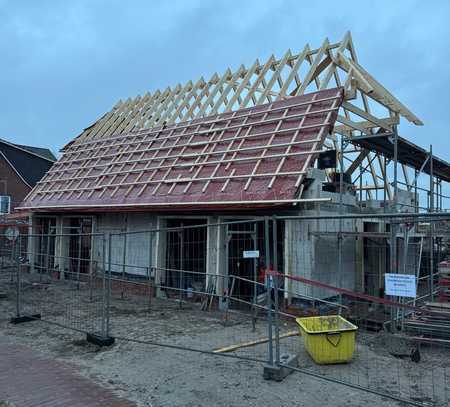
x,y
328,339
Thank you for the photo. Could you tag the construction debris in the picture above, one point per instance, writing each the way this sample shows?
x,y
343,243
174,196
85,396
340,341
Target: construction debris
x,y
436,324
444,282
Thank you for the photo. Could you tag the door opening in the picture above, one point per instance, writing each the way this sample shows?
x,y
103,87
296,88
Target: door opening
x,y
80,239
247,261
185,269
46,231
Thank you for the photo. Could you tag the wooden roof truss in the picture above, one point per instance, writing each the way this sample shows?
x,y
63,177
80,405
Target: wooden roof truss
x,y
368,107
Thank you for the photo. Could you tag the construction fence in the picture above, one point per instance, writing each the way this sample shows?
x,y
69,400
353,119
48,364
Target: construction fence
x,y
305,294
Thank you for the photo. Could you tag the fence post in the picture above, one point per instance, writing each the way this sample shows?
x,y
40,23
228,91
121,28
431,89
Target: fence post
x,y
91,277
405,271
149,289
41,244
18,282
255,279
181,275
79,257
393,268
104,339
104,287
150,269
431,261
276,288
269,289
108,285
47,254
124,259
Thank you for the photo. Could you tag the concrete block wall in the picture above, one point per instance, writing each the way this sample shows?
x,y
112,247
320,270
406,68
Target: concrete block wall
x,y
109,223
140,243
132,244
313,254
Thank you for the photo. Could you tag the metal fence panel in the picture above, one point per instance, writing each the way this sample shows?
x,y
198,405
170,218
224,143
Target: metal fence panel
x,y
235,289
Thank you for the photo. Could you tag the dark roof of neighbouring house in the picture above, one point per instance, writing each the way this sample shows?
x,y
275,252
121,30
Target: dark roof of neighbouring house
x,y
31,163
43,152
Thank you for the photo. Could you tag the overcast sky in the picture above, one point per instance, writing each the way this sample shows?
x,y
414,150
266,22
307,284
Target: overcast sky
x,y
65,63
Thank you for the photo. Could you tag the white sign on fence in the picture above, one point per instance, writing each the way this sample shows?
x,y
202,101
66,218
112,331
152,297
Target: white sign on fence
x,y
401,285
251,254
12,232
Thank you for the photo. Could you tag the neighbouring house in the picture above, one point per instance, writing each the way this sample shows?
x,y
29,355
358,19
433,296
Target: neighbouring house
x,y
267,139
21,167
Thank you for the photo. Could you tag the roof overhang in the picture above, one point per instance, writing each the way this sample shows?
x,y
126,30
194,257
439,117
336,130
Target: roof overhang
x,y
180,207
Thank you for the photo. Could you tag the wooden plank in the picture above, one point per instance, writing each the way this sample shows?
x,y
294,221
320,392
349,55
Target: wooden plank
x,y
268,87
357,162
332,68
154,119
249,344
260,80
242,86
210,101
283,160
197,102
223,94
352,124
182,99
371,119
260,122
312,71
184,102
294,69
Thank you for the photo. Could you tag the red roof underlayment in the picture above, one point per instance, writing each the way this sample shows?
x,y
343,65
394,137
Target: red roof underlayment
x,y
244,158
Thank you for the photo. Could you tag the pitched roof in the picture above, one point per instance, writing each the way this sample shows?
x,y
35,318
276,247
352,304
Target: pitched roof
x,y
257,155
331,65
42,152
31,163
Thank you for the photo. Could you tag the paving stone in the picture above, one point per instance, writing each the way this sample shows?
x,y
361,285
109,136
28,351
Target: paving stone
x,y
30,379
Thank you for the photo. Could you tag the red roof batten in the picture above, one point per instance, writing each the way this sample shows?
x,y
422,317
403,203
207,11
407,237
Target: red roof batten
x,y
256,156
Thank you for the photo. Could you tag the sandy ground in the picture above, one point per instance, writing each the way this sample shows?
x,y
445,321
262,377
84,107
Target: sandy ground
x,y
154,375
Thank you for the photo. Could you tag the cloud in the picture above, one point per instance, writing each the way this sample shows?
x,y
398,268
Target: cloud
x,y
65,63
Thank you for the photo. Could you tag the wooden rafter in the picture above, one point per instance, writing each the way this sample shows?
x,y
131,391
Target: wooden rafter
x,y
255,154
332,64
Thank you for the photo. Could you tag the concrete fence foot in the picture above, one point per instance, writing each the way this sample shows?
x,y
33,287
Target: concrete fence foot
x,y
100,340
25,318
279,372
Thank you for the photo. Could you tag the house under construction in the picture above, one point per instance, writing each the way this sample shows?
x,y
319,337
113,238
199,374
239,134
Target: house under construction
x,y
309,133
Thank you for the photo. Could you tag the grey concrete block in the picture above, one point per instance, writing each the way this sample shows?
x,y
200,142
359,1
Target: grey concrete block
x,y
279,372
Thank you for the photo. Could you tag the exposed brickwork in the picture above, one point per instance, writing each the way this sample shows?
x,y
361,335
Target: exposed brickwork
x,y
29,379
11,184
